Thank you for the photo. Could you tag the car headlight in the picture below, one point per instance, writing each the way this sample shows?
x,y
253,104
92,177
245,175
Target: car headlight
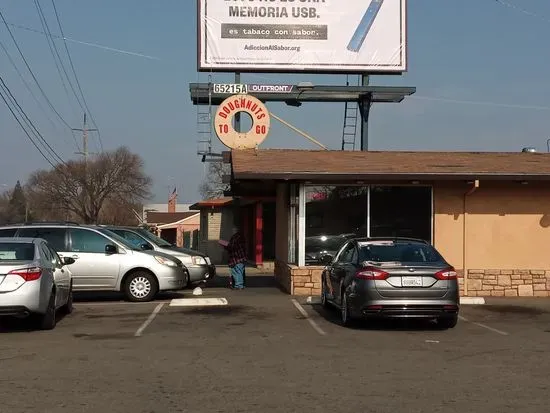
x,y
198,260
166,261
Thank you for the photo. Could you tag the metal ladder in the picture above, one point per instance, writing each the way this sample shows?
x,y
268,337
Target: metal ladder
x,y
351,115
204,124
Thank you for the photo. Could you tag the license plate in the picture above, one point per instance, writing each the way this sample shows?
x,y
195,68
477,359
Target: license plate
x,y
411,281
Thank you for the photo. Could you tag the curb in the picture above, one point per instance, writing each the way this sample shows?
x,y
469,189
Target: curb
x,y
472,300
463,300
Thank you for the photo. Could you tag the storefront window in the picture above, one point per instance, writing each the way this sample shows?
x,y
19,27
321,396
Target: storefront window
x,y
333,215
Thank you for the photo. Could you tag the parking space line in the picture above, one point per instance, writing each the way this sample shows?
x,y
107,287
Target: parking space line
x,y
504,333
306,316
109,303
149,320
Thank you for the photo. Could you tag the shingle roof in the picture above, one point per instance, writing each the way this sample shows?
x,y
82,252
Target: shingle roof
x,y
167,217
212,203
318,165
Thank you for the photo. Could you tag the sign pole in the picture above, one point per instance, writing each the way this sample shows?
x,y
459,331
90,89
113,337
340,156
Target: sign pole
x,y
238,114
364,108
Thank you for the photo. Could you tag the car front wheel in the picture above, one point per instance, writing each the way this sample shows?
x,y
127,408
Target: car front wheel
x,y
140,286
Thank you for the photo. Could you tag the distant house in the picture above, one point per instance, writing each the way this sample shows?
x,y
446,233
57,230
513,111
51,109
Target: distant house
x,y
180,228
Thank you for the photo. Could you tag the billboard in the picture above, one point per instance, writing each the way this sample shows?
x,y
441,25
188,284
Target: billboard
x,y
333,36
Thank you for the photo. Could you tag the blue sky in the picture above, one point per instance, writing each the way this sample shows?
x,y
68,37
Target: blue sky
x,y
480,68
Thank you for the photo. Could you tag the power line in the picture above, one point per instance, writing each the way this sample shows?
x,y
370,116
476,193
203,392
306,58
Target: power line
x,y
47,146
75,75
4,48
32,73
54,52
522,10
25,131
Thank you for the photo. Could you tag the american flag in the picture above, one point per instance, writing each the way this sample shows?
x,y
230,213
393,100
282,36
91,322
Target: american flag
x,y
173,195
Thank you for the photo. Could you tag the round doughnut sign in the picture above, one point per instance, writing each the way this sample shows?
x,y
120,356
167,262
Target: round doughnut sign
x,y
223,122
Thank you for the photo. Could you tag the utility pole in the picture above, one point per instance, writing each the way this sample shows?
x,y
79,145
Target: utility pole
x,y
84,131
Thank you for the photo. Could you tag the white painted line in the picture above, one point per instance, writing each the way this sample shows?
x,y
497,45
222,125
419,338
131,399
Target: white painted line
x,y
472,300
306,316
504,333
149,320
197,302
432,341
107,303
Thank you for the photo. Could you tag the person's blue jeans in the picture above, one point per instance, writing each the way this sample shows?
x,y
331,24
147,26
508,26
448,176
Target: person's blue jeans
x,y
237,272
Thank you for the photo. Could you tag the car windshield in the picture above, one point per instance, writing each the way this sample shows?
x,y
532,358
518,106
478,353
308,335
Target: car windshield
x,y
398,252
118,239
16,251
159,242
324,243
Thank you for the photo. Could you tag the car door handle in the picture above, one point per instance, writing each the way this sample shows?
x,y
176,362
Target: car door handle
x,y
75,257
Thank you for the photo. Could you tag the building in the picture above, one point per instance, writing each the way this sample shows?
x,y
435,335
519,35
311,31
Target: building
x,y
255,217
179,228
487,213
162,208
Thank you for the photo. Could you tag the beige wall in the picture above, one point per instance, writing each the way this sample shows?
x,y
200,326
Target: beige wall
x,y
507,226
216,224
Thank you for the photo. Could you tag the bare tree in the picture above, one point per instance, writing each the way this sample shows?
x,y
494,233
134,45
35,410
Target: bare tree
x,y
83,189
213,186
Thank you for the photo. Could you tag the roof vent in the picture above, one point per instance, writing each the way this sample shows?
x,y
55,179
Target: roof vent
x,y
529,149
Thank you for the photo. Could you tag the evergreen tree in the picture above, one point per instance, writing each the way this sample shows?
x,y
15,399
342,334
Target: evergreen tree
x,y
17,210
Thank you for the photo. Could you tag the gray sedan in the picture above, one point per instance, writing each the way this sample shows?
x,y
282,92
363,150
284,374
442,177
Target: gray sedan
x,y
34,281
391,278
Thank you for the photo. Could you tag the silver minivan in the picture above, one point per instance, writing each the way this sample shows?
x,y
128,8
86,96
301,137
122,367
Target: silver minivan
x,y
200,267
105,261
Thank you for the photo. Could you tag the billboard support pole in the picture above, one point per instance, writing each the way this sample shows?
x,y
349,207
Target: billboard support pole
x,y
364,108
238,114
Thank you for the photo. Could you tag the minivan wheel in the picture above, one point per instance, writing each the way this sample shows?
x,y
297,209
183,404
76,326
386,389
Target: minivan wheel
x,y
140,286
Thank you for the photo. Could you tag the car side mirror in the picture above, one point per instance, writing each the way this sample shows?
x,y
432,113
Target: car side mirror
x,y
146,247
326,259
110,249
67,260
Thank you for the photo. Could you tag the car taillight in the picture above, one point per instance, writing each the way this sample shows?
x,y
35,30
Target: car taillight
x,y
448,274
371,273
28,274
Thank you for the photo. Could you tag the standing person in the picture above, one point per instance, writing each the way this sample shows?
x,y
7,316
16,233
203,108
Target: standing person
x,y
237,258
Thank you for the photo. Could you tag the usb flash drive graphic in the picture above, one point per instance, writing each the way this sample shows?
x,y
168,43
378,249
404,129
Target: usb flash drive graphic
x,y
364,26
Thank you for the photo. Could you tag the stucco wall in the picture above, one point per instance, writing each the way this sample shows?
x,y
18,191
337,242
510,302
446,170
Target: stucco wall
x,y
216,224
506,226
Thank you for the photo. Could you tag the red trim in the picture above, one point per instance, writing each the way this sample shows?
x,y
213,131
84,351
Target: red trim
x,y
258,234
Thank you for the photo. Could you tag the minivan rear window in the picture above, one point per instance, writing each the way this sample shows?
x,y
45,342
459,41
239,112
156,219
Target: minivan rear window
x,y
16,251
54,236
8,232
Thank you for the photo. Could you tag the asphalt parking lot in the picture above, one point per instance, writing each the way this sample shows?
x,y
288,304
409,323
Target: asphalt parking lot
x,y
262,350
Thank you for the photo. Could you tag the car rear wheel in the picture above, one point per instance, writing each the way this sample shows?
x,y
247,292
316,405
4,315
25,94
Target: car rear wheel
x,y
47,321
447,322
324,301
345,317
68,307
140,286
